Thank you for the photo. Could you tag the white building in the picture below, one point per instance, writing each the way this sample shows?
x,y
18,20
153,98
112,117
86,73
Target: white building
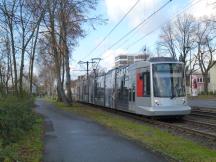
x,y
212,79
198,78
124,59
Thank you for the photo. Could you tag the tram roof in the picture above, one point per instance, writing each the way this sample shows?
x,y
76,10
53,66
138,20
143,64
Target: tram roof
x,y
162,59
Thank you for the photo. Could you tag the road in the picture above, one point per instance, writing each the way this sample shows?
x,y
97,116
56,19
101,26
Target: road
x,y
69,138
202,103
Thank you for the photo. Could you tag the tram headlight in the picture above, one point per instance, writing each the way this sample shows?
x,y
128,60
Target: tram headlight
x,y
156,102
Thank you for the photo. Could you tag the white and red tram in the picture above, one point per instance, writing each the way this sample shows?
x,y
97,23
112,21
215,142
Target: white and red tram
x,y
153,88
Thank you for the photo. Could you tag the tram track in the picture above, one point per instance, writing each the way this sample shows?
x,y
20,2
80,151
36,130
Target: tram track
x,y
184,128
195,131
211,116
202,129
194,127
201,123
205,113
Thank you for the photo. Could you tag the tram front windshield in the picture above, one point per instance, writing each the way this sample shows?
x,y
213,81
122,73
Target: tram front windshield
x,y
168,80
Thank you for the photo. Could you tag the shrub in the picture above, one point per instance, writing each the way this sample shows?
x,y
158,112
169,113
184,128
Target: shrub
x,y
210,92
16,117
202,93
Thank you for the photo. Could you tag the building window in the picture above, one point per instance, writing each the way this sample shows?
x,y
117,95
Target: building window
x,y
123,57
199,80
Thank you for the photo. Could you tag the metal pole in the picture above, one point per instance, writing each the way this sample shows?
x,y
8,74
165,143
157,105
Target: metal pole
x,y
88,79
190,74
87,64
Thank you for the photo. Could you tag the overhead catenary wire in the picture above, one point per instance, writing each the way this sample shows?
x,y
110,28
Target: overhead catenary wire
x,y
179,13
149,33
141,23
110,32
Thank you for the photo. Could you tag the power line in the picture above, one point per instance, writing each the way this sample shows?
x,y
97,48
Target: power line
x,y
140,24
132,30
114,27
180,12
141,38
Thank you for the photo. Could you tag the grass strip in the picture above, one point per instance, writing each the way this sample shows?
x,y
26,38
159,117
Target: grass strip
x,y
156,139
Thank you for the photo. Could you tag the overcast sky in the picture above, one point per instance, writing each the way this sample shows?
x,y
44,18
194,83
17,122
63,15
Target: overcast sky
x,y
113,10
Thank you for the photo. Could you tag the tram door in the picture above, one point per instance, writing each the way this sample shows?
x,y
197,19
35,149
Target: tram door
x,y
143,96
122,89
132,90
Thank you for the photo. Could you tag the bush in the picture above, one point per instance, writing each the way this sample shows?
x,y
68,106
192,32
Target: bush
x,y
210,92
202,93
16,117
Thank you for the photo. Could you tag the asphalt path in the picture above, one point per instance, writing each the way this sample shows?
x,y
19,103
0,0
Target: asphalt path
x,y
70,138
205,103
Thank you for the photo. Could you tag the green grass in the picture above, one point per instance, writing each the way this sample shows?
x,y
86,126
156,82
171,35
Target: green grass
x,y
21,131
29,148
154,138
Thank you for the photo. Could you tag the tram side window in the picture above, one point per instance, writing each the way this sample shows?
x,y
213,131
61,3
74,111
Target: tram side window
x,y
130,94
133,93
95,89
146,84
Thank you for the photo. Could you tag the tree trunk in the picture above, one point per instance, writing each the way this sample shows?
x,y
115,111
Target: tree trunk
x,y
31,74
66,55
32,58
21,72
206,81
68,78
63,69
60,89
14,59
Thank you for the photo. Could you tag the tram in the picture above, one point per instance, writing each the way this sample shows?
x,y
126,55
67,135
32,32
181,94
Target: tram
x,y
155,87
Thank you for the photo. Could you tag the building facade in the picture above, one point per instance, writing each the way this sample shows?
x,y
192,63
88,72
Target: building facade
x,y
212,79
197,78
195,84
124,59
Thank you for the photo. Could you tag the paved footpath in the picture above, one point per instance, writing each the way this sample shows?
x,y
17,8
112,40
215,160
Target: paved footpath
x,y
69,138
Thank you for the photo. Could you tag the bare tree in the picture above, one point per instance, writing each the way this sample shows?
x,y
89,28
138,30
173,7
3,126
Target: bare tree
x,y
8,11
28,27
206,47
64,21
168,41
19,19
177,38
